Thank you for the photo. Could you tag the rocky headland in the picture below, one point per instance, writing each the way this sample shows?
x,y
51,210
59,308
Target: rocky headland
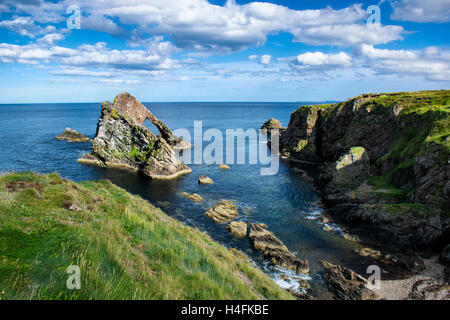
x,y
122,141
380,163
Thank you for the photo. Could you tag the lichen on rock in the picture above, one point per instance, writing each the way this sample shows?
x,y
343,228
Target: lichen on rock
x,y
122,141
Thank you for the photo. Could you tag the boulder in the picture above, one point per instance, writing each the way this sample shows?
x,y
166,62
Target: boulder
x,y
222,212
205,180
274,250
238,229
123,142
193,197
224,166
72,135
272,124
345,284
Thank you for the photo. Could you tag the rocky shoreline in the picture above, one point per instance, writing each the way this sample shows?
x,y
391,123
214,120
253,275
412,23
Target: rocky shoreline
x,y
380,165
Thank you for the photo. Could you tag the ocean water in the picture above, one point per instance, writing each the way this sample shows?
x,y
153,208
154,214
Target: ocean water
x,y
284,201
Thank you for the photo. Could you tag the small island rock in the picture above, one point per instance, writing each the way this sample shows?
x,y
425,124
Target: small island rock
x,y
205,180
72,135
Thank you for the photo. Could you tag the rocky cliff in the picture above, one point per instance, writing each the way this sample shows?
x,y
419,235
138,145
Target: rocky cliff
x,y
384,164
122,141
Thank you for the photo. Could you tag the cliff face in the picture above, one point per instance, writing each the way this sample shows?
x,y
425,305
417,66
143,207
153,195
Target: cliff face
x,y
405,168
122,141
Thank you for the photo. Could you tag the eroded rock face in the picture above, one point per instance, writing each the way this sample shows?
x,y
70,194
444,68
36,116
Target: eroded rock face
x,y
349,171
224,211
136,111
123,142
72,135
395,227
402,169
345,284
274,250
238,229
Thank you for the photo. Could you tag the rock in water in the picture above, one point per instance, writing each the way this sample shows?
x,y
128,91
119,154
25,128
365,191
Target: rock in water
x,y
222,212
123,142
205,180
275,250
345,284
238,229
224,166
193,197
72,135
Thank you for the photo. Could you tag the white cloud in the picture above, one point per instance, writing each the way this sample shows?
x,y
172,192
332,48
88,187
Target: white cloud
x,y
51,38
421,10
97,55
320,61
119,81
265,59
430,63
204,27
25,26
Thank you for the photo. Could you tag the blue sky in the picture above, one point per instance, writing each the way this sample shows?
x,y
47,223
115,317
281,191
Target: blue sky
x,y
198,50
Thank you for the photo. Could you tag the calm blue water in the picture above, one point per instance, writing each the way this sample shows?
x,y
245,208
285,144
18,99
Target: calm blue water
x,y
283,201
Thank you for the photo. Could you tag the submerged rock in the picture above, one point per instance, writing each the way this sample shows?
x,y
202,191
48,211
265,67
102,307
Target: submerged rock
x,y
205,180
238,229
193,197
274,250
123,142
72,135
223,211
345,284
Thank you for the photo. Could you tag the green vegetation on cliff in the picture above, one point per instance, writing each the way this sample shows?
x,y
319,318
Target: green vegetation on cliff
x,y
125,247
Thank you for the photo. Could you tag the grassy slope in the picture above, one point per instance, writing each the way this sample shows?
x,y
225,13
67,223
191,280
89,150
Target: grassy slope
x,y
125,247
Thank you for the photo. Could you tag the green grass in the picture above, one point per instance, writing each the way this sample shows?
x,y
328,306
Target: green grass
x,y
125,247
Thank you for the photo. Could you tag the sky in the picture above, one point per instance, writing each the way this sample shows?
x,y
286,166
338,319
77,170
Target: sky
x,y
217,50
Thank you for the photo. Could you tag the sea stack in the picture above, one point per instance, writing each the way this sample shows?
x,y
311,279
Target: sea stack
x,y
122,141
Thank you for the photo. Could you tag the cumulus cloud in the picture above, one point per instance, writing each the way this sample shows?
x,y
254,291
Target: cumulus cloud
x,y
431,63
320,61
51,38
421,10
204,27
97,55
25,26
